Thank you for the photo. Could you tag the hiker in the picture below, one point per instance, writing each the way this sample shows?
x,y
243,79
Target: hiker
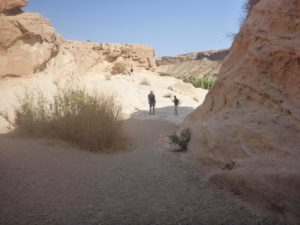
x,y
151,101
176,103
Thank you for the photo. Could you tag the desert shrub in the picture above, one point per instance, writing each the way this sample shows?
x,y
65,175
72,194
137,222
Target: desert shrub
x,y
91,121
162,74
205,82
167,95
181,140
145,82
119,67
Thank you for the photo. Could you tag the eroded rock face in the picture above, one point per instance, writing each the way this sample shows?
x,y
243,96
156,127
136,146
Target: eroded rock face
x,y
252,114
11,6
196,64
27,43
101,58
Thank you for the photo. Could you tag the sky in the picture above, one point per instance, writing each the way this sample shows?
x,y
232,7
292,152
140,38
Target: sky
x,y
170,26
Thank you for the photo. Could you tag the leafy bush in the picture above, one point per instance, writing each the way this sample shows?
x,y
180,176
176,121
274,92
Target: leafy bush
x,y
205,82
119,67
92,121
181,140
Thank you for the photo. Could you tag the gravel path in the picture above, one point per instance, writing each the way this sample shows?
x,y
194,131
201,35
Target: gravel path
x,y
42,182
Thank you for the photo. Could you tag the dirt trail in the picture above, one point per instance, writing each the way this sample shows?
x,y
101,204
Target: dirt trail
x,y
42,182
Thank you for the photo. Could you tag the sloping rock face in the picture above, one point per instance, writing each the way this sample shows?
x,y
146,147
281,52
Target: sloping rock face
x,y
251,117
27,42
196,64
101,58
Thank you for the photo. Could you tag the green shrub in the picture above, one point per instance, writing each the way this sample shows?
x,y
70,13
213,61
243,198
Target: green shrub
x,y
181,140
92,121
205,82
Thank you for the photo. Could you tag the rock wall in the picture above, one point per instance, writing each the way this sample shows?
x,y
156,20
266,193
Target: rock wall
x,y
27,41
196,64
11,6
101,58
29,44
250,120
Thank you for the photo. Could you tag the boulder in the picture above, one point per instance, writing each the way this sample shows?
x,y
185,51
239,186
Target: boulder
x,y
27,43
12,6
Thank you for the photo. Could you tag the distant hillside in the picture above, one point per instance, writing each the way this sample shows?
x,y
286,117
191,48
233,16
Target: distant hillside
x,y
196,64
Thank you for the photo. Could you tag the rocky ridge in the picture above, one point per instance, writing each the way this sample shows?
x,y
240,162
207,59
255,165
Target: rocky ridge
x,y
194,64
29,44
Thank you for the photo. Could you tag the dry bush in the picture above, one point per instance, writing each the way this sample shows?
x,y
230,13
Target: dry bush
x,y
119,67
181,140
145,82
167,95
91,121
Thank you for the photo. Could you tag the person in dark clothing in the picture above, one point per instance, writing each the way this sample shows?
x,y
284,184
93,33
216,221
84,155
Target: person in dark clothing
x,y
176,103
151,101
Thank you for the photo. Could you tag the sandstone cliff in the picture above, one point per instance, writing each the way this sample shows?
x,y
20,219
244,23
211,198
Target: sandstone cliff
x,y
249,123
27,41
29,44
194,64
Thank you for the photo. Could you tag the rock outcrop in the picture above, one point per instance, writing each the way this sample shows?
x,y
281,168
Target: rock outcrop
x,y
27,41
101,58
29,44
251,117
12,6
196,64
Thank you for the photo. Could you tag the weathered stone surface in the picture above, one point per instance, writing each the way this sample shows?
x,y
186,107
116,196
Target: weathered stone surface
x,y
27,43
7,6
252,114
101,58
194,64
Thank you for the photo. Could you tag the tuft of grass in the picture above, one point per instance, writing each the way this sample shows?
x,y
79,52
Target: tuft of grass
x,y
205,82
91,121
162,74
167,95
181,140
145,82
119,67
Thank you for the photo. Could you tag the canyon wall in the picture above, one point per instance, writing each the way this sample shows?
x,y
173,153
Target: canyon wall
x,y
249,123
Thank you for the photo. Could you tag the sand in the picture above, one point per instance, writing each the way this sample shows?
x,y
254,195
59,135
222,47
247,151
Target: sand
x,y
50,182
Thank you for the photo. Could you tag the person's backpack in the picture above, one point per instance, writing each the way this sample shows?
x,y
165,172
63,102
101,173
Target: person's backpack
x,y
176,101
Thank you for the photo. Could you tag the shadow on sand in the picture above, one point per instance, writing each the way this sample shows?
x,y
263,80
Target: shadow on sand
x,y
143,128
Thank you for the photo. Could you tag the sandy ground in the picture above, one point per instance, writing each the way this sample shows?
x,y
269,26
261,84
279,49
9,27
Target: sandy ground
x,y
45,182
49,182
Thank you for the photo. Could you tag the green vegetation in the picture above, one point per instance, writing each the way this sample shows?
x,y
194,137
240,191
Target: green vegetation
x,y
91,121
205,82
181,140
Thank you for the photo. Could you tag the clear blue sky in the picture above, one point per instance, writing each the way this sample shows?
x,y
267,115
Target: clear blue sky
x,y
170,26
